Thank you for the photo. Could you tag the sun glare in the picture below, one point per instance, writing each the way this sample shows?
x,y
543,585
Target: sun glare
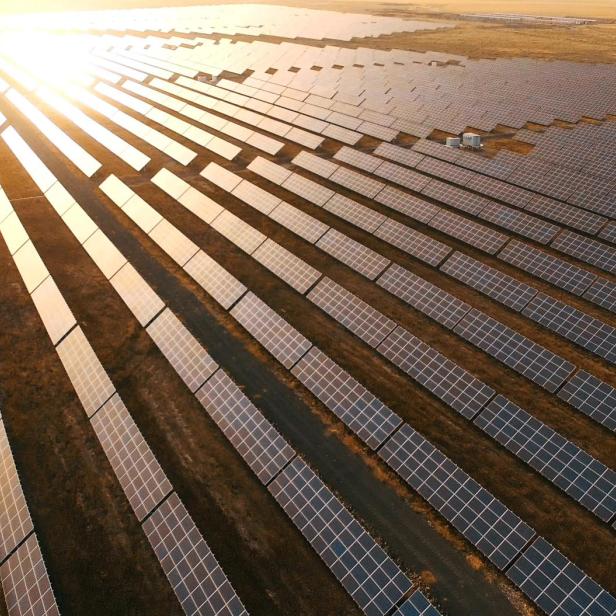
x,y
54,59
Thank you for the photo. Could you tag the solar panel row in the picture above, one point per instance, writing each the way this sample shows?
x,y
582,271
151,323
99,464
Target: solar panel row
x,y
138,472
515,350
581,476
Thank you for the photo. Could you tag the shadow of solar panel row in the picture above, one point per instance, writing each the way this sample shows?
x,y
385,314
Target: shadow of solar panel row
x,y
530,359
586,331
363,568
556,585
581,476
495,530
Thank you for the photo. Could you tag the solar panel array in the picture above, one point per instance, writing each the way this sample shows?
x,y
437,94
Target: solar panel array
x,y
585,479
432,226
141,478
487,523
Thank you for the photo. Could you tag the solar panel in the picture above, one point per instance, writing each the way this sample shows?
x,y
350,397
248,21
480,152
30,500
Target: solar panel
x,y
26,585
294,219
308,189
523,224
413,242
116,190
53,310
592,396
134,464
173,242
13,232
364,185
198,581
104,253
283,341
416,605
489,280
372,579
315,164
566,214
141,213
81,225
85,371
358,159
293,270
357,256
603,293
183,351
342,134
348,399
5,206
423,295
556,585
398,154
355,213
221,177
545,266
521,354
586,331
581,476
400,175
137,294
269,170
353,313
261,446
441,376
490,526
456,197
407,204
468,231
239,232
255,196
590,251
15,521
215,279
